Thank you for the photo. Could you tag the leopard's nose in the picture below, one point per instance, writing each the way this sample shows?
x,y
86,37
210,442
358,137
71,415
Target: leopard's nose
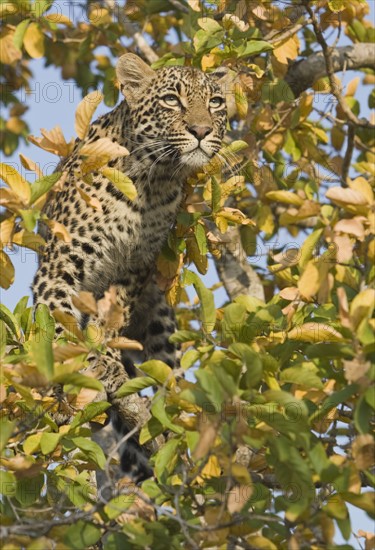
x,y
200,132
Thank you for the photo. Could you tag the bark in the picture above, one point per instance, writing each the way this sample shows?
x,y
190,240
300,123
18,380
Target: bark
x,y
302,74
234,271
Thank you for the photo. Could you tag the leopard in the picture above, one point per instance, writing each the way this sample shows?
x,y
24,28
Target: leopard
x,y
172,121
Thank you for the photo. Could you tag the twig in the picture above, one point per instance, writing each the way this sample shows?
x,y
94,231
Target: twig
x,y
327,52
348,154
130,29
179,6
273,38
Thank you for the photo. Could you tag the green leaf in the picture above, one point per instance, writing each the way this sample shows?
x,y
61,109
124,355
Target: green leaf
x,y
150,430
20,33
3,339
49,442
89,412
189,358
135,385
309,247
333,401
30,217
209,25
158,370
158,410
41,186
214,390
200,236
305,375
91,450
32,443
81,535
253,47
206,297
20,307
216,195
336,507
7,483
6,430
78,380
10,320
29,489
42,354
119,505
362,415
364,501
166,459
252,361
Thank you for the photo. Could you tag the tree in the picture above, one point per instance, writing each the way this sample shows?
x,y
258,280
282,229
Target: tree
x,y
270,440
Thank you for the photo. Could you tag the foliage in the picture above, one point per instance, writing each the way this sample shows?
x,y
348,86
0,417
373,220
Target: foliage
x,y
270,440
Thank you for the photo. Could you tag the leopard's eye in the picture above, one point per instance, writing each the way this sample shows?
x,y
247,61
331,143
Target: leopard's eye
x,y
171,100
216,102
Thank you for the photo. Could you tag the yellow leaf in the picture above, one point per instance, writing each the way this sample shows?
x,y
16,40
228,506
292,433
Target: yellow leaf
x,y
84,112
121,181
351,199
314,332
261,543
238,496
16,182
194,4
58,19
53,141
33,41
59,230
99,16
85,302
6,230
120,342
286,197
100,152
212,468
6,270
274,143
25,238
241,101
363,450
91,201
264,121
208,61
9,54
336,5
265,220
361,185
351,88
309,282
287,49
69,322
289,293
362,306
15,125
30,165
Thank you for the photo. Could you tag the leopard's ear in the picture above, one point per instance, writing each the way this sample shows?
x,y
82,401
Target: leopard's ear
x,y
133,75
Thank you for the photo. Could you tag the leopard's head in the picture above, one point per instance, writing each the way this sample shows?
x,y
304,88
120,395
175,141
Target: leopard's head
x,y
177,112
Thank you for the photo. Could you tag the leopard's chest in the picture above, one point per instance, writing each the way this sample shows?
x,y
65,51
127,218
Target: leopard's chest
x,y
137,230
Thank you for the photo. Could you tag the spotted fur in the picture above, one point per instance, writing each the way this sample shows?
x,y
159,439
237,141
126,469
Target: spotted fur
x,y
172,121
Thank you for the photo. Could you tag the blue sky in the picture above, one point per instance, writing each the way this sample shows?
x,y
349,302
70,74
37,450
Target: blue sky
x,y
53,102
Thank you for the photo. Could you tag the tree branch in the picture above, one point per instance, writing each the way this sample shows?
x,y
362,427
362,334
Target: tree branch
x,y
330,69
132,31
234,271
302,74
